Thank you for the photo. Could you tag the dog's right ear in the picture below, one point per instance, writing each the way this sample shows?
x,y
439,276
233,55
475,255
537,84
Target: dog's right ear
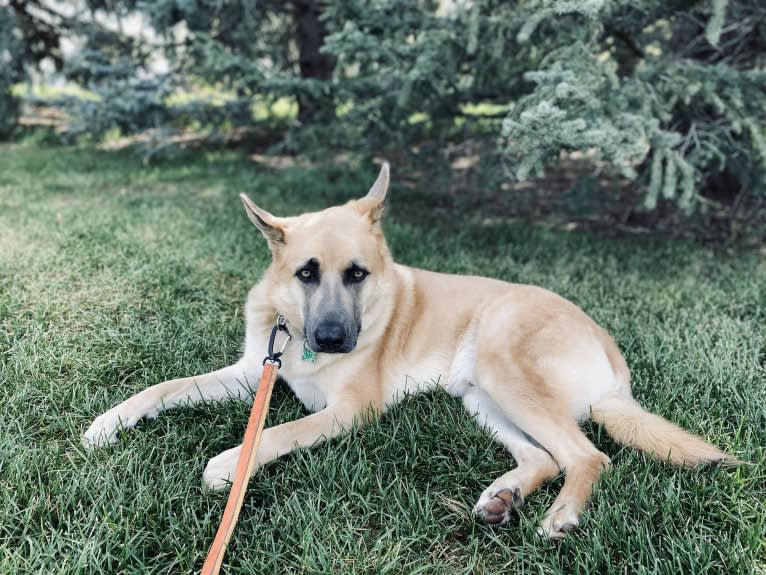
x,y
269,225
374,203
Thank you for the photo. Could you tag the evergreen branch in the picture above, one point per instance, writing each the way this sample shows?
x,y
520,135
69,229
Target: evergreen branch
x,y
628,41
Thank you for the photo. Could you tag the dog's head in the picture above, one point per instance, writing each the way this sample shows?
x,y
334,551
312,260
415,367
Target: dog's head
x,y
329,268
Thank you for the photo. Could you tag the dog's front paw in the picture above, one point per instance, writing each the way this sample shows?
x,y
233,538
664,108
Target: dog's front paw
x,y
104,429
219,472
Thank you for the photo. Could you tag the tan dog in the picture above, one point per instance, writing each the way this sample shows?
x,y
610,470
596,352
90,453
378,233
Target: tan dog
x,y
527,363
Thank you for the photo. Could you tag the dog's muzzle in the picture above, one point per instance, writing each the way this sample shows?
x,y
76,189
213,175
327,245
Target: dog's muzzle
x,y
333,336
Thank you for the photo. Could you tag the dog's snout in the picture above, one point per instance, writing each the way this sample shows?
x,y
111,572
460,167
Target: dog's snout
x,y
330,336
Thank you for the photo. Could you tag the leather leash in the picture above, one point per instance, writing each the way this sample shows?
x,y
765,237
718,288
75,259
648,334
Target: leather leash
x,y
247,456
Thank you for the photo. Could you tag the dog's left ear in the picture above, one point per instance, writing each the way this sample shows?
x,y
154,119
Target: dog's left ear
x,y
374,202
271,227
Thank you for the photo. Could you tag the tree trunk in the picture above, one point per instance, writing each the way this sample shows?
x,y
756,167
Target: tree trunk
x,y
310,33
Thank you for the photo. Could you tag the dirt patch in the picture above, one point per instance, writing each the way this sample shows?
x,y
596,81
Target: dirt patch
x,y
580,193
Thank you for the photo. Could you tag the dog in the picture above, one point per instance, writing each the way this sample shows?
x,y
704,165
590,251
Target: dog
x,y
528,364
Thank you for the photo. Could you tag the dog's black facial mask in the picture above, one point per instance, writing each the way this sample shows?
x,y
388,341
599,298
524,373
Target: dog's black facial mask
x,y
331,314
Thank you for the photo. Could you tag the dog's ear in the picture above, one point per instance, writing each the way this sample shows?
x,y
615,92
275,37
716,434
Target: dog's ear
x,y
269,225
374,202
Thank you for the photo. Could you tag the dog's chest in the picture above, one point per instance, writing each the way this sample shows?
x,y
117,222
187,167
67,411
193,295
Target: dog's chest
x,y
409,379
308,394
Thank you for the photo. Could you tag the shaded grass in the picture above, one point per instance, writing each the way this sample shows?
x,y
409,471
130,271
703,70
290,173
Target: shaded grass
x,y
115,276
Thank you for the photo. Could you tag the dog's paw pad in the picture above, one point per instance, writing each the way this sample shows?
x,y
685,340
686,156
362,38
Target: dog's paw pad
x,y
496,508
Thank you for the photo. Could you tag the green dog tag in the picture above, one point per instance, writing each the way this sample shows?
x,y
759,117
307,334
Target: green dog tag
x,y
308,355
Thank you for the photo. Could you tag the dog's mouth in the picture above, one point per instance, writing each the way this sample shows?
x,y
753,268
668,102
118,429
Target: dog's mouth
x,y
344,349
313,347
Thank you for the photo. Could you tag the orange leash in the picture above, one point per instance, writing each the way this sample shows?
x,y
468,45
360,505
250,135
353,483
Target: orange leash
x,y
247,457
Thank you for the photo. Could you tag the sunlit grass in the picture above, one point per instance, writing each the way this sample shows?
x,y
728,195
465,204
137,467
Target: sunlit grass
x,y
43,91
262,108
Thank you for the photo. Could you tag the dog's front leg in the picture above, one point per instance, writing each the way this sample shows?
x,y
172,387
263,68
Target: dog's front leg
x,y
282,439
234,381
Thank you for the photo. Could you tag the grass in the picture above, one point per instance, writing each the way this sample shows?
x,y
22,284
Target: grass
x,y
115,276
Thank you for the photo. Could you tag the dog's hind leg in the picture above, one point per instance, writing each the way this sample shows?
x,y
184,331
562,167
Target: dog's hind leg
x,y
559,434
235,381
534,465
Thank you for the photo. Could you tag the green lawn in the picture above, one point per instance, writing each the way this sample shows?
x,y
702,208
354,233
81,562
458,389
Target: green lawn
x,y
115,276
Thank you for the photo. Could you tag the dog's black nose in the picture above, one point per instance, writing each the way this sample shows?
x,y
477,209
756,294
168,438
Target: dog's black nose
x,y
330,336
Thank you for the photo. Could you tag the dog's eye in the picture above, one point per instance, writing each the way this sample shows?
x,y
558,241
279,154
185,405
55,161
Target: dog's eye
x,y
355,275
306,275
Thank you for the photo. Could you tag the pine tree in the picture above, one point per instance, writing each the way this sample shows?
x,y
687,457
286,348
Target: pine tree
x,y
11,71
671,93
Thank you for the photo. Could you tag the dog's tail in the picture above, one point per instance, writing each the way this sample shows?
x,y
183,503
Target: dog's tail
x,y
629,423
